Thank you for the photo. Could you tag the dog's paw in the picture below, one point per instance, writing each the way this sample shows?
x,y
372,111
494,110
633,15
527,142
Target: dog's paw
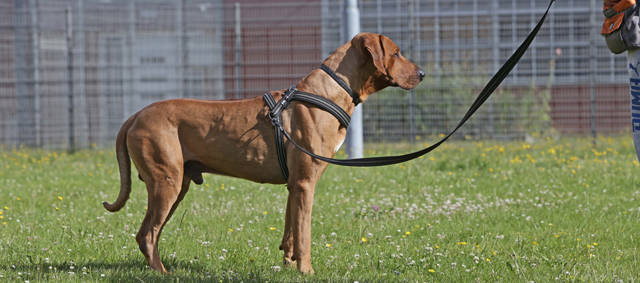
x,y
306,270
288,263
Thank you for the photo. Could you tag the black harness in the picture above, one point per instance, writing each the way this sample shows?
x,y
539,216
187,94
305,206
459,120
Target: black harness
x,y
294,94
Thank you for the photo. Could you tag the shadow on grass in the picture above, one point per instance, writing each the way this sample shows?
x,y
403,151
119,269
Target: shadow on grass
x,y
135,270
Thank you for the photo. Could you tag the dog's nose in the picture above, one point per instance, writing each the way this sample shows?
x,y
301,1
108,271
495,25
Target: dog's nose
x,y
422,74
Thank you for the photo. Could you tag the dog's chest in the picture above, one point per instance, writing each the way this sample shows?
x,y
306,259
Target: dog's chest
x,y
339,145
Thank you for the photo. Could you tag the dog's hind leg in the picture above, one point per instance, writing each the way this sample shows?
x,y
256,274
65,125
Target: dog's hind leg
x,y
163,175
148,240
287,238
158,211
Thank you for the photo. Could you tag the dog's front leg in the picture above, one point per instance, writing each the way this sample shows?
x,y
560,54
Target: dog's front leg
x,y
301,202
287,238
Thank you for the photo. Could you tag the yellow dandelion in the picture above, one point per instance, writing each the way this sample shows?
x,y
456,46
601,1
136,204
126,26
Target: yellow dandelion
x,y
59,198
431,270
6,208
230,230
488,260
535,243
578,239
595,244
408,233
364,239
557,236
272,228
251,259
328,245
17,198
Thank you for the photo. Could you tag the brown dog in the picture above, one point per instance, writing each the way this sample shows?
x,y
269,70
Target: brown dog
x,y
173,142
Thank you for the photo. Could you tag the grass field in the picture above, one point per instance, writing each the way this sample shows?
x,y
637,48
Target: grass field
x,y
553,211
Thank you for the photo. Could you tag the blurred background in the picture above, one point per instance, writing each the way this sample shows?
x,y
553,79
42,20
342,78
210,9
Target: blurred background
x,y
72,71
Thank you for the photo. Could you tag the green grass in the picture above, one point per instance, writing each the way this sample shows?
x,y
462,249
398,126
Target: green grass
x,y
556,210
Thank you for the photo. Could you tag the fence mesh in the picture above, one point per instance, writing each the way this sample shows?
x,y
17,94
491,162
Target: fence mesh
x,y
74,70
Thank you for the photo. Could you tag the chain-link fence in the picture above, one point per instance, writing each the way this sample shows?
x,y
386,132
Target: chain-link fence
x,y
74,70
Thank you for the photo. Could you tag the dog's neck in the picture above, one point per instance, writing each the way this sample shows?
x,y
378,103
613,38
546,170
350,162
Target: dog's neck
x,y
348,63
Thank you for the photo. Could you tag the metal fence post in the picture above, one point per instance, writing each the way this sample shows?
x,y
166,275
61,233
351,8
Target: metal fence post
x,y
412,39
592,66
238,53
496,63
72,142
355,137
36,72
186,91
24,104
80,92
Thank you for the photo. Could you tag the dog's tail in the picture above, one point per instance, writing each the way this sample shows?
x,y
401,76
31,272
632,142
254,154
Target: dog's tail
x,y
124,163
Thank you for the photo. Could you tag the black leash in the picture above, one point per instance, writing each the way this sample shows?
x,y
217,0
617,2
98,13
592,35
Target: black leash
x,y
389,160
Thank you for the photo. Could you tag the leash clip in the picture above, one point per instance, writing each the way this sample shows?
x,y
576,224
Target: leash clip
x,y
276,123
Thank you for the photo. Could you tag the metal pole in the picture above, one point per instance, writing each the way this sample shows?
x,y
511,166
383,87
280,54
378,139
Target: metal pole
x,y
132,101
80,97
496,63
24,102
36,71
355,137
412,33
72,143
238,55
592,47
186,90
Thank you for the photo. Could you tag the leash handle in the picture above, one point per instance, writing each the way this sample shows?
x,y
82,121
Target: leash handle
x,y
482,97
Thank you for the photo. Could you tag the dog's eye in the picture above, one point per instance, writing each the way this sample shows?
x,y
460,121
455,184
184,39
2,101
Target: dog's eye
x,y
397,54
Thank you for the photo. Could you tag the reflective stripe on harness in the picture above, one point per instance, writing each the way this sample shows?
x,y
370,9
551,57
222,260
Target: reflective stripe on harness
x,y
276,117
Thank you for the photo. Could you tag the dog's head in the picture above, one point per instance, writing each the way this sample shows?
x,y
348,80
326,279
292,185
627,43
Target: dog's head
x,y
391,68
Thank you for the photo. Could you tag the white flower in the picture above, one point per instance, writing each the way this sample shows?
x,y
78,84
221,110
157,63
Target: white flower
x,y
275,268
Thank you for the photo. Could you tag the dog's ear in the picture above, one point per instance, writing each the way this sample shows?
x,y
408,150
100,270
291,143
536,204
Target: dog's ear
x,y
374,45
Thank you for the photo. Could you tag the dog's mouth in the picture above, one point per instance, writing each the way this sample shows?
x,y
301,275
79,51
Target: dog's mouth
x,y
410,83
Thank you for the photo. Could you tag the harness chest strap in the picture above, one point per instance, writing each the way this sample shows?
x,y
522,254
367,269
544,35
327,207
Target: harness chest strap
x,y
276,117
